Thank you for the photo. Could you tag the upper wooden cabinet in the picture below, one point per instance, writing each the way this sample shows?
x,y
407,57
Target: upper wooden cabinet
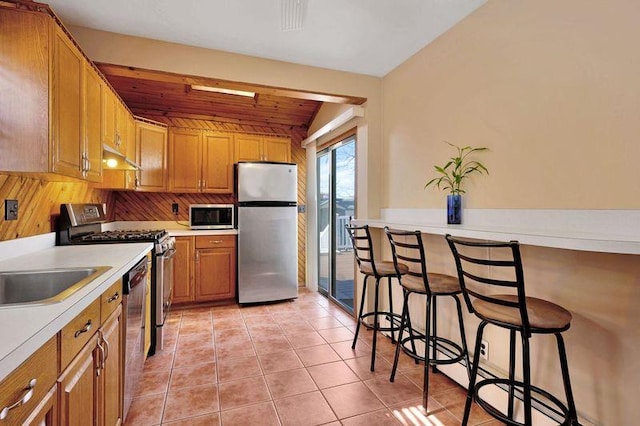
x,y
262,148
48,99
200,161
151,156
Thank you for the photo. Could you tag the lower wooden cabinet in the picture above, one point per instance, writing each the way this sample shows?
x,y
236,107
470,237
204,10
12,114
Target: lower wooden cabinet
x,y
31,383
183,270
205,269
78,387
76,378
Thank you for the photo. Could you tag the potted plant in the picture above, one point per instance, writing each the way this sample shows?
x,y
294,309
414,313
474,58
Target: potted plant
x,y
452,175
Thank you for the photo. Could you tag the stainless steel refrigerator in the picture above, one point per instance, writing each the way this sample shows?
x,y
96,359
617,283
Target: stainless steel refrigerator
x,y
267,231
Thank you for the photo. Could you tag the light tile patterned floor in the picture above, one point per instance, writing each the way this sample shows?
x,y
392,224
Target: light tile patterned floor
x,y
288,363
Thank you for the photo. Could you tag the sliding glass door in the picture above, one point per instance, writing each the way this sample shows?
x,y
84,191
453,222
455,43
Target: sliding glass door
x,y
336,203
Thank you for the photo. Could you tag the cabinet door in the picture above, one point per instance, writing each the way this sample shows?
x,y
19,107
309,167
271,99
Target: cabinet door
x,y
248,148
78,388
183,270
277,149
217,163
24,91
92,125
151,156
111,376
68,66
108,116
184,161
46,413
215,274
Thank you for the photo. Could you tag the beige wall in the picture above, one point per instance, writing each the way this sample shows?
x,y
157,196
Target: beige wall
x,y
119,49
551,87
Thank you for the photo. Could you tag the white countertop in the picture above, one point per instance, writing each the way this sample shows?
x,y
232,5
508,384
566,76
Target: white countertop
x,y
24,329
586,230
175,229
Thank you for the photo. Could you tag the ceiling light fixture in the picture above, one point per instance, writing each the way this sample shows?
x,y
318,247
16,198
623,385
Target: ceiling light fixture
x,y
292,14
224,91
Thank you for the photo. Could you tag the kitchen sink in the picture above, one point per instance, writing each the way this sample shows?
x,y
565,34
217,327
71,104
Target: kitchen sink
x,y
42,286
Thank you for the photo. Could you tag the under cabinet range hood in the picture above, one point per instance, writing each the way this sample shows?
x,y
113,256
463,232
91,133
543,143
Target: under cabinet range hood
x,y
112,159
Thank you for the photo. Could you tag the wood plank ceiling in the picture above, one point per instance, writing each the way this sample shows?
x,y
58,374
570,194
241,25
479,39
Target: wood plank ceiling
x,y
154,94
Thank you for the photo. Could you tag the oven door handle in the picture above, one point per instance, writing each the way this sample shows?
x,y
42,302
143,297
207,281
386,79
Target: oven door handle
x,y
169,254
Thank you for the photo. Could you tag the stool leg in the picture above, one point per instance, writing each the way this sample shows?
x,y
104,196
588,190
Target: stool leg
x,y
403,316
364,292
526,376
434,334
512,371
393,340
564,365
474,374
376,325
427,352
463,338
409,326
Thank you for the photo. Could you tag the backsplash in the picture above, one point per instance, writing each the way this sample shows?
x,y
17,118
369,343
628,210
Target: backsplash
x,y
143,206
39,202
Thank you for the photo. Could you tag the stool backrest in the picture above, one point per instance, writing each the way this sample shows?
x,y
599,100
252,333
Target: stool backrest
x,y
362,247
485,282
407,247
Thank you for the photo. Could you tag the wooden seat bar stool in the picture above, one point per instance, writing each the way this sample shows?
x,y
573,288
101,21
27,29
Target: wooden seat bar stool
x,y
363,252
407,247
493,288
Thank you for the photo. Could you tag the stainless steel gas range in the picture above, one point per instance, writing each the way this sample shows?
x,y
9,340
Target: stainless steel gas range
x,y
83,224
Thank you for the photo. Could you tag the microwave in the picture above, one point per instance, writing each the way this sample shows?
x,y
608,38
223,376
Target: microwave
x,y
211,216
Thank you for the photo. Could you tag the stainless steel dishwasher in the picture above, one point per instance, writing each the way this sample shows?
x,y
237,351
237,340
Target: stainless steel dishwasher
x,y
134,305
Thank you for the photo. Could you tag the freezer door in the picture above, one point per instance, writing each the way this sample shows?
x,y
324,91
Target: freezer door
x,y
267,182
267,254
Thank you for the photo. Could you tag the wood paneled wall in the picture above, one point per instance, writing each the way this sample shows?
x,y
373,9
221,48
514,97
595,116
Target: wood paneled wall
x,y
131,205
39,202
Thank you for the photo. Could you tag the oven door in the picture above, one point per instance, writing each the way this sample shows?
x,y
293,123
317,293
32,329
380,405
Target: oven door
x,y
164,292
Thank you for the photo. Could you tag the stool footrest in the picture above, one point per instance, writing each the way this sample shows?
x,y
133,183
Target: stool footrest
x,y
393,318
499,415
451,346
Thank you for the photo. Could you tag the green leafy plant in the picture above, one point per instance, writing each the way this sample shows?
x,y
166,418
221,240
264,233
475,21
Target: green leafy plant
x,y
457,169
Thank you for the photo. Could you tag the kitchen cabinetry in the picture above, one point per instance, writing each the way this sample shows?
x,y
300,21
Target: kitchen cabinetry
x,y
183,270
32,382
262,148
204,269
48,99
200,161
90,386
215,265
151,156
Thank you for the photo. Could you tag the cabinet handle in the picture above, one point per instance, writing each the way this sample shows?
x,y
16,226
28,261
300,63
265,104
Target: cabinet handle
x,y
215,241
23,400
105,352
197,256
113,298
100,365
84,329
204,184
137,182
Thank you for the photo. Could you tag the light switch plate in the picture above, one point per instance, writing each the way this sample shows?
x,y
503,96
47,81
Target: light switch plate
x,y
10,209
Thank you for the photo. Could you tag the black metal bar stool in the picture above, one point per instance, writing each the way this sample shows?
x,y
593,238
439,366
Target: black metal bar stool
x,y
408,247
493,303
363,252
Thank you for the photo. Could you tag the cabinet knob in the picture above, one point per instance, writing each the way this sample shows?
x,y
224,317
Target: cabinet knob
x,y
23,399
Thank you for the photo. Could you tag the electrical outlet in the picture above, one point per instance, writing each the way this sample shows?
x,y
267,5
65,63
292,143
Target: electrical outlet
x,y
484,350
10,209
175,208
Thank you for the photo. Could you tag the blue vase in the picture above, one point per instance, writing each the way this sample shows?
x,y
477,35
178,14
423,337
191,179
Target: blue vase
x,y
454,209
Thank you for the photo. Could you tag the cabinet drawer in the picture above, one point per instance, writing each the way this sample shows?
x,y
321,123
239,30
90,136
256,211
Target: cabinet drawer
x,y
78,332
215,241
110,300
41,367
